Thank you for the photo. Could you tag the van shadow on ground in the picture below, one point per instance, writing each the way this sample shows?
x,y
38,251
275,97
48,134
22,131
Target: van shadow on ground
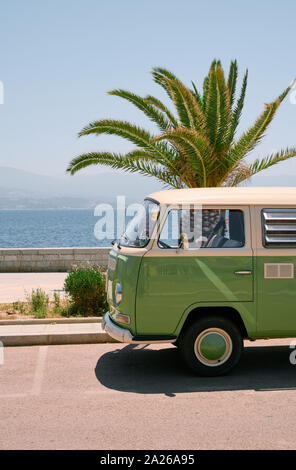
x,y
148,371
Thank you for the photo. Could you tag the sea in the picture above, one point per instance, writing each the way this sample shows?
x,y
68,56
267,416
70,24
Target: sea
x,y
49,228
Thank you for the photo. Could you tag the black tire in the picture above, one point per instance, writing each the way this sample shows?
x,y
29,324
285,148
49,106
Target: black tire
x,y
211,346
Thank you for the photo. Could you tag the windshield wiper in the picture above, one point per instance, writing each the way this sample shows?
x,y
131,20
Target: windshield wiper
x,y
115,241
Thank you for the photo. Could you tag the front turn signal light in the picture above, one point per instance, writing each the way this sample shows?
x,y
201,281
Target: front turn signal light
x,y
121,318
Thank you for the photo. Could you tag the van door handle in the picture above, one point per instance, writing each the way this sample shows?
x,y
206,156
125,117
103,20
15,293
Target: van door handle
x,y
243,272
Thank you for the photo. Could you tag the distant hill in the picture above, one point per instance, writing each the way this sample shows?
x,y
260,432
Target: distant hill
x,y
24,189
20,189
23,203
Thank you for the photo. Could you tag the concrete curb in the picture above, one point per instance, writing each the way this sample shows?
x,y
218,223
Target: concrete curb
x,y
41,340
53,333
42,321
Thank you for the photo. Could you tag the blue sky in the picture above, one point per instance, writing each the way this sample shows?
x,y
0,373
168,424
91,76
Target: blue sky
x,y
59,58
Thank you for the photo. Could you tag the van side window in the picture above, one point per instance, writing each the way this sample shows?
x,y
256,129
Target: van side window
x,y
206,228
279,227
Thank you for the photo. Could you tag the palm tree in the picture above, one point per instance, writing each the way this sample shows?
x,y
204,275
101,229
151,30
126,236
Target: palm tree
x,y
197,146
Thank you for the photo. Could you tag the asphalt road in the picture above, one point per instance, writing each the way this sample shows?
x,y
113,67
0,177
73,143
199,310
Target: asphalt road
x,y
114,396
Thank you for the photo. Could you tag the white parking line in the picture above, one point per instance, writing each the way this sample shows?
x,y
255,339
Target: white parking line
x,y
39,371
14,395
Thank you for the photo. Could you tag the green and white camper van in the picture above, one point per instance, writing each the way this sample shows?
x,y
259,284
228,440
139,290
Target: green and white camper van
x,y
205,269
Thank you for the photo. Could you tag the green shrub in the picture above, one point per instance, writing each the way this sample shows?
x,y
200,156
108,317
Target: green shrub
x,y
42,313
15,305
56,298
22,309
86,288
39,301
57,304
69,311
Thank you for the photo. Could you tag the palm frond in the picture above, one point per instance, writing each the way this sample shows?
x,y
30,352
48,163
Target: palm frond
x,y
194,146
239,107
165,72
197,95
287,90
232,79
158,117
158,104
92,158
212,116
238,174
264,163
190,113
159,74
253,136
133,163
224,111
134,134
165,80
205,93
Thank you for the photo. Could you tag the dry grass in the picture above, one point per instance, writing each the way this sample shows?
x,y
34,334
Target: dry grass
x,y
23,310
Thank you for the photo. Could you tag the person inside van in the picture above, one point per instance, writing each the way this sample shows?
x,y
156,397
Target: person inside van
x,y
217,228
227,231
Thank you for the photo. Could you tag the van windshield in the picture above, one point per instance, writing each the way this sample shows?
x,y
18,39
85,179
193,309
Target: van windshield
x,y
139,230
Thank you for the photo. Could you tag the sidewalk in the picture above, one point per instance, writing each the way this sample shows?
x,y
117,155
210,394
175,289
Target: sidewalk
x,y
16,286
68,332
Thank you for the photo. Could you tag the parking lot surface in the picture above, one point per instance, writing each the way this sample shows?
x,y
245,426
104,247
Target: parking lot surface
x,y
115,396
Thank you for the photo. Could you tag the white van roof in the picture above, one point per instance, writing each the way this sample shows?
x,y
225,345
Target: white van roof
x,y
269,196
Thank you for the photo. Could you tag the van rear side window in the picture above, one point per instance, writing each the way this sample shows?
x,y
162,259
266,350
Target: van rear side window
x,y
279,227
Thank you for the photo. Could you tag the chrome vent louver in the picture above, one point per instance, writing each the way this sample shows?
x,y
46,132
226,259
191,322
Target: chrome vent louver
x,y
279,270
279,227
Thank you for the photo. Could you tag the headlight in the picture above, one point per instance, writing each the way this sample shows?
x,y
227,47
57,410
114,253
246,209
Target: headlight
x,y
118,293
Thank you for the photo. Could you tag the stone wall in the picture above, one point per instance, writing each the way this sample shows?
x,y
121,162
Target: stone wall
x,y
51,259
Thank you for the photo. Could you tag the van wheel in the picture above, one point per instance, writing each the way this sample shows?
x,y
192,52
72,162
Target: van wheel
x,y
211,346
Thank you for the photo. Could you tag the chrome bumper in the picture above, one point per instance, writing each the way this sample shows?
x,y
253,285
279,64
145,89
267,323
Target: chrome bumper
x,y
115,331
124,336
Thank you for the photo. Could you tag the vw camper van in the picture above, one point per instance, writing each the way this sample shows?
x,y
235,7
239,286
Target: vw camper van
x,y
205,269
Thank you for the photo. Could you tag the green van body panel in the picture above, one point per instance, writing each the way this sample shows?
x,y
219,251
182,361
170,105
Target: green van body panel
x,y
246,310
168,286
160,292
124,269
276,302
